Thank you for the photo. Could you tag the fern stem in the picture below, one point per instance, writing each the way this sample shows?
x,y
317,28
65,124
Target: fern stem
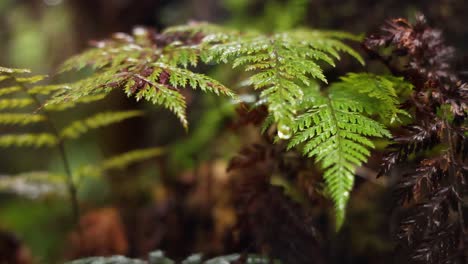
x,y
72,190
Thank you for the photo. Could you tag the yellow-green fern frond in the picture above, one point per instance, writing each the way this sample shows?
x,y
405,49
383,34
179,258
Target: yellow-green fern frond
x,y
77,128
46,89
15,103
33,184
9,90
119,162
28,140
30,79
4,70
20,119
61,106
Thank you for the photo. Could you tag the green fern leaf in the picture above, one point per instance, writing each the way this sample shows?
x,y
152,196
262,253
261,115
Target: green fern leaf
x,y
335,131
15,103
31,79
28,140
124,160
64,105
46,89
33,184
369,88
77,128
119,162
9,90
284,64
20,119
4,70
134,64
161,94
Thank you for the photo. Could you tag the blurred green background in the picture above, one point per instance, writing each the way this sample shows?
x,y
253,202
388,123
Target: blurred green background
x,y
167,202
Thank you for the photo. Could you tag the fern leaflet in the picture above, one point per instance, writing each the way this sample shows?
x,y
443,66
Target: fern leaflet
x,y
15,103
119,162
28,140
20,119
75,129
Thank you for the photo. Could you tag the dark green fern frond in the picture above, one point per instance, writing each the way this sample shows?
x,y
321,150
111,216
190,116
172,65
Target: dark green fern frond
x,y
28,140
336,132
75,129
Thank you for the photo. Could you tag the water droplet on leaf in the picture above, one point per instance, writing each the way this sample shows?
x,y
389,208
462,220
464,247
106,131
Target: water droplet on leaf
x,y
284,131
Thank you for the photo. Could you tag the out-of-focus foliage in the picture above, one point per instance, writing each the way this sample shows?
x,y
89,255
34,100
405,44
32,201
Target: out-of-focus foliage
x,y
157,257
277,15
54,137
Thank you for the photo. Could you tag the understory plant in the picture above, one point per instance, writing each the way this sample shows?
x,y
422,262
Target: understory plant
x,y
335,125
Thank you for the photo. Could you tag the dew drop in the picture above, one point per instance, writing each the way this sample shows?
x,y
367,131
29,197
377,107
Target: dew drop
x,y
284,131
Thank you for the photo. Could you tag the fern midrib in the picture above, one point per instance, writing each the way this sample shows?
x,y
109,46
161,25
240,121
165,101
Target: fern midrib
x,y
277,66
61,147
338,137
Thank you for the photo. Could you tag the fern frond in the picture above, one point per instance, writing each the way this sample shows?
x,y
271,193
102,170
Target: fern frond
x,y
329,42
4,70
28,140
144,65
46,89
30,79
284,64
15,103
77,128
33,184
91,86
179,77
183,55
61,106
336,132
119,162
369,88
9,90
20,119
161,94
124,160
